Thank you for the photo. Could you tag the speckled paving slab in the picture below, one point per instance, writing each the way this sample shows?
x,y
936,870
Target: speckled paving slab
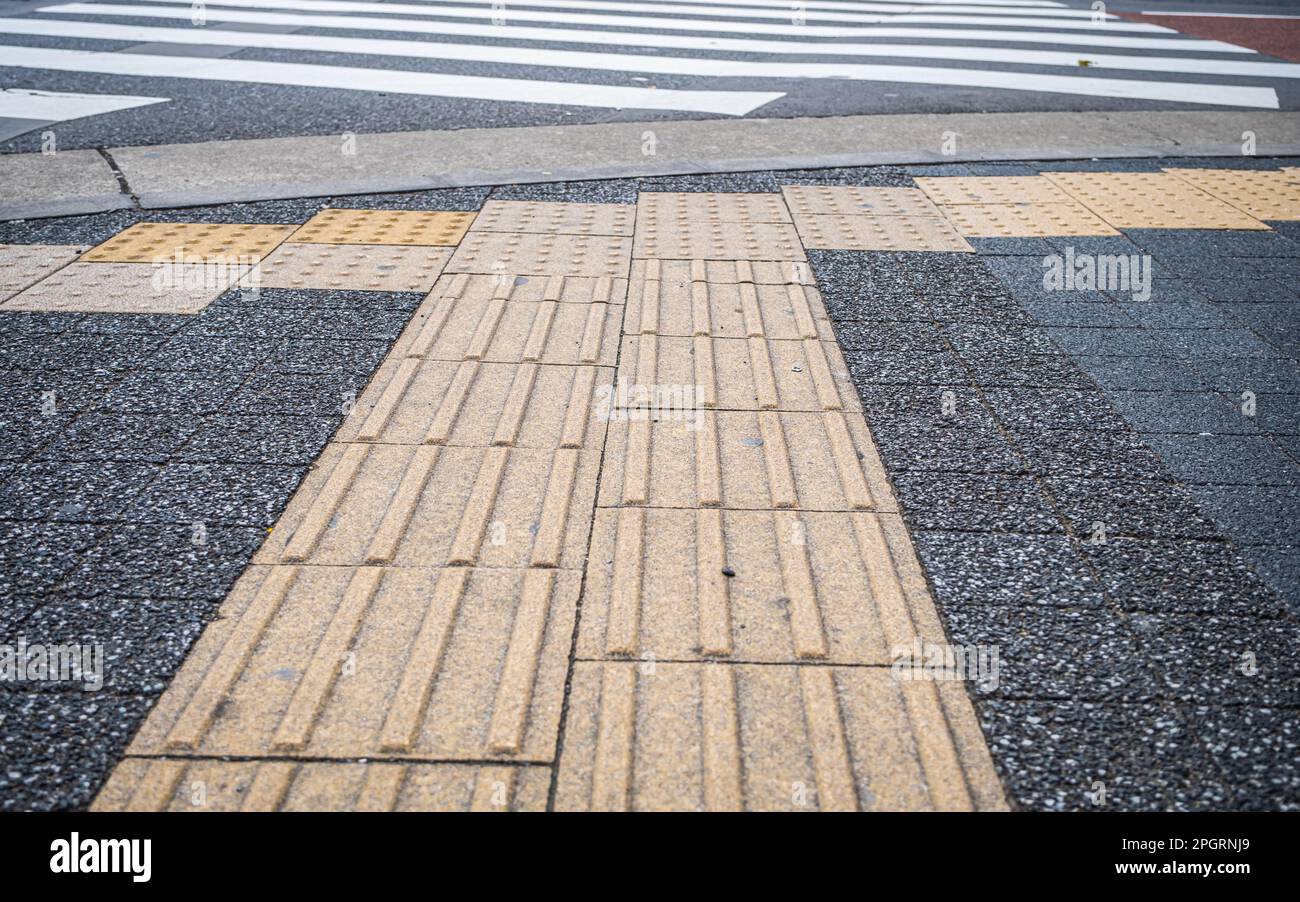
x,y
499,253
23,265
1025,220
409,227
147,242
128,288
144,784
1263,194
670,736
361,267
339,662
663,208
681,238
1151,200
998,189
847,200
555,218
880,233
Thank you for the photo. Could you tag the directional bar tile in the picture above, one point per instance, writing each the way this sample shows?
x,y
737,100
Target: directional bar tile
x,y
1260,193
23,265
723,272
360,267
685,239
999,189
148,242
129,288
665,208
476,290
1151,200
496,253
1025,220
556,218
143,784
846,200
880,233
414,227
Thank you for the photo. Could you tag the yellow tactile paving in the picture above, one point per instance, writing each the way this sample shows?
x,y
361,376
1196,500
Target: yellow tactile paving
x,y
669,736
148,242
662,208
997,189
724,272
687,239
359,267
556,218
144,784
499,253
477,289
1264,194
411,227
1151,200
23,265
845,200
129,288
880,233
461,663
1025,220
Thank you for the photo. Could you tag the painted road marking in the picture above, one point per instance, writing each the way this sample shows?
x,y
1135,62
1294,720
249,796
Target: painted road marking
x,y
51,106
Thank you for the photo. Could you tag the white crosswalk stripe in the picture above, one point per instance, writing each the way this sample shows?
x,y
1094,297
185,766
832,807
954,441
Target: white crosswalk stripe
x,y
1008,45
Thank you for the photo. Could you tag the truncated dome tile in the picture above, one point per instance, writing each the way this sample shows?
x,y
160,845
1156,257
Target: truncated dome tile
x,y
498,253
146,242
802,587
880,233
477,290
178,784
667,302
438,402
128,288
847,200
667,209
412,227
1025,220
742,459
360,267
1151,200
1263,194
724,272
999,189
569,219
337,662
717,240
672,736
22,265
434,506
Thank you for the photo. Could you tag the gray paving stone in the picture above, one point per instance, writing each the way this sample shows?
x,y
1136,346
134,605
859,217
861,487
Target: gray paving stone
x,y
1175,411
918,449
900,366
1088,454
226,494
1152,509
974,503
1006,569
35,556
1258,749
1255,514
1141,373
1034,409
94,492
283,440
1226,459
181,393
111,436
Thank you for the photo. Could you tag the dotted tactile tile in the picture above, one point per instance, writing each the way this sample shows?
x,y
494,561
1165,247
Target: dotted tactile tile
x,y
880,233
359,267
848,200
128,288
997,189
734,373
1025,220
473,404
667,301
665,208
727,737
1151,200
504,330
499,253
409,227
681,239
806,587
1263,194
23,265
724,272
556,218
761,460
143,784
450,664
147,242
435,506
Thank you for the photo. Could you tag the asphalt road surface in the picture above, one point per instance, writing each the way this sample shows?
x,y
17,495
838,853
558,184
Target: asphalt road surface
x,y
165,71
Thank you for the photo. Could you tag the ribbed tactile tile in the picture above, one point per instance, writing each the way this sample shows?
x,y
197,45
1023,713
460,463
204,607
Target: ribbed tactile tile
x,y
147,242
850,200
803,587
410,227
686,239
476,290
472,404
23,265
1263,194
736,373
372,662
1025,220
128,288
144,784
666,306
683,206
998,189
724,272
669,736
743,459
499,253
1151,200
556,218
359,267
880,233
